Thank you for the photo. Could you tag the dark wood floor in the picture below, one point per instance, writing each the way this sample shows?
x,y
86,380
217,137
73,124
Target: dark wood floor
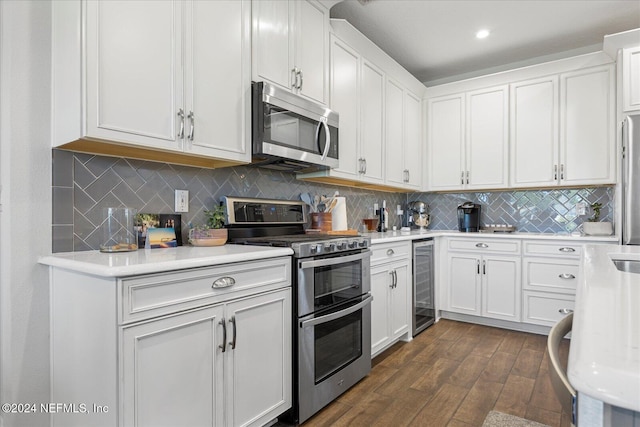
x,y
452,374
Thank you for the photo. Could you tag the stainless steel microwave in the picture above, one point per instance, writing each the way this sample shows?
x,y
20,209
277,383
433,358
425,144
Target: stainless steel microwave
x,y
290,132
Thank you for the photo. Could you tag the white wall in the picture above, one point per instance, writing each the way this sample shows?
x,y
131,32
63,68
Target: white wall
x,y
25,220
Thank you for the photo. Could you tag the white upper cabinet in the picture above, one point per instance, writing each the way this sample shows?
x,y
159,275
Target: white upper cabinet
x,y
631,79
534,132
487,138
562,129
291,46
217,84
372,122
153,79
587,127
446,140
468,140
134,72
403,123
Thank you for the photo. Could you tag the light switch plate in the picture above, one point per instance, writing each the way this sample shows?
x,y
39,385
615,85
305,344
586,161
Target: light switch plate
x,y
581,208
182,201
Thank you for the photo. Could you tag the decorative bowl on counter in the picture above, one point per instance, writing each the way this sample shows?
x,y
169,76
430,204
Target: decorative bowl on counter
x,y
208,237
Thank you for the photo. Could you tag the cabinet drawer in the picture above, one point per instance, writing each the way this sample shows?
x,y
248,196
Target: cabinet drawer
x,y
485,245
148,296
385,252
559,249
550,275
541,308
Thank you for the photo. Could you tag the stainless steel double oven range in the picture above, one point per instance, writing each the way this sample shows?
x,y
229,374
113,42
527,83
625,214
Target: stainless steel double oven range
x,y
332,300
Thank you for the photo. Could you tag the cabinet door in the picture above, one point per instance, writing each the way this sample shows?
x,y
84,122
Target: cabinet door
x,y
501,288
587,127
272,42
372,121
134,66
172,371
394,134
381,281
534,132
258,365
487,138
631,79
446,142
312,49
464,284
400,301
345,71
217,76
413,142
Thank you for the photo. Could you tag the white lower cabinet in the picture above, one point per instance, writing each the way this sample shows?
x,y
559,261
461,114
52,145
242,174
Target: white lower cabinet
x,y
176,348
485,285
391,291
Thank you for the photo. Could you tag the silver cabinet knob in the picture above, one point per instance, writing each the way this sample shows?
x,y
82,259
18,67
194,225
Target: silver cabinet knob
x,y
224,282
390,252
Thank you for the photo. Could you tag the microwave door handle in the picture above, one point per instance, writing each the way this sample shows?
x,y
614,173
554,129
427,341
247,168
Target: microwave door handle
x,y
327,137
336,315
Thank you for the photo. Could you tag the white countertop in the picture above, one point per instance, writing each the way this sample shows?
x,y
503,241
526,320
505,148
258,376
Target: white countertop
x,y
604,357
144,261
391,236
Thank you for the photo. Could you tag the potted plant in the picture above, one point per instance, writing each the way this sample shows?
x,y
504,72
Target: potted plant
x,y
213,232
593,226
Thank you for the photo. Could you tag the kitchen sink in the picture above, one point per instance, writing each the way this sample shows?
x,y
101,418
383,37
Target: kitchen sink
x,y
627,265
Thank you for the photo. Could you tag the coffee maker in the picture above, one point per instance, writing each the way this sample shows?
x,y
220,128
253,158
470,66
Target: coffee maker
x,y
469,217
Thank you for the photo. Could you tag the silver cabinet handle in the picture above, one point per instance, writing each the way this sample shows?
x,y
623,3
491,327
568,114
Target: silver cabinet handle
x,y
484,267
565,311
390,252
360,168
181,115
294,77
223,346
395,278
566,276
192,129
567,250
481,245
478,266
301,80
467,177
224,282
392,280
462,177
555,172
562,171
233,340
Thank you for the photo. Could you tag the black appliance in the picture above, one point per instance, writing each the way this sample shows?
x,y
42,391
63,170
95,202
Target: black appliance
x,y
423,313
291,133
331,283
469,217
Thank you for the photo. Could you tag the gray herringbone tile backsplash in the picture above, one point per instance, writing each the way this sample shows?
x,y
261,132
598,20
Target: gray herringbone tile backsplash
x,y
84,184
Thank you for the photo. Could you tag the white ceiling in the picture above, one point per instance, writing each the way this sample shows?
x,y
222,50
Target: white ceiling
x,y
435,40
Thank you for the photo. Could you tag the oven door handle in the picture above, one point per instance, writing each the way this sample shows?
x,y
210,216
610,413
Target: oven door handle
x,y
333,261
336,315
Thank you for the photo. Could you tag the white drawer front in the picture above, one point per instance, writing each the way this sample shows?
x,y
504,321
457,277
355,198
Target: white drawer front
x,y
155,295
559,249
551,275
384,252
485,245
544,308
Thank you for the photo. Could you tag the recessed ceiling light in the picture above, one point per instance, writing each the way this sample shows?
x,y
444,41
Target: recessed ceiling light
x,y
482,34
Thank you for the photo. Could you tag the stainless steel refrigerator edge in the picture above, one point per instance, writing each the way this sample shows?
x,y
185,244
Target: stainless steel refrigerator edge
x,y
631,180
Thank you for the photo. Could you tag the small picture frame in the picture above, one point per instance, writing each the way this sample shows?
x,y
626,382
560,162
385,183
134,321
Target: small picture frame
x,y
146,221
161,238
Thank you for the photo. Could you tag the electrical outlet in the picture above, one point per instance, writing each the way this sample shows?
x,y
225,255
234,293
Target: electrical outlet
x,y
182,201
581,208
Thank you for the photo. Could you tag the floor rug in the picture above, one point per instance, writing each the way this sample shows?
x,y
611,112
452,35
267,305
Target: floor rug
x,y
499,419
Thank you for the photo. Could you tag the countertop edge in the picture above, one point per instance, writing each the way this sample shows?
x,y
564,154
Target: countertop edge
x,y
391,236
67,262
